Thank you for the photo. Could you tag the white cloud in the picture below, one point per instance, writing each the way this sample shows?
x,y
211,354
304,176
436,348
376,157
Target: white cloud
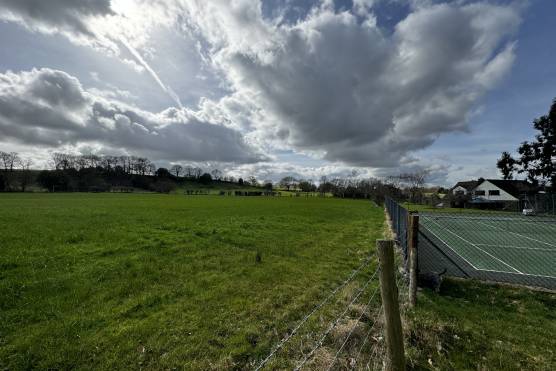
x,y
50,108
331,84
342,87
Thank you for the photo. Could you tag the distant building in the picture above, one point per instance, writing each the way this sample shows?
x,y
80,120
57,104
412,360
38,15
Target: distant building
x,y
503,190
463,188
493,193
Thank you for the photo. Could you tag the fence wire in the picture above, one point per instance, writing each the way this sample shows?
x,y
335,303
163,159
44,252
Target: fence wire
x,y
367,308
315,309
333,324
540,203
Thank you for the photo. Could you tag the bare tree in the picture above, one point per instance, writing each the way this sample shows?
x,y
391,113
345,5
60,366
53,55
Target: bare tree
x,y
414,182
142,165
4,157
216,174
176,170
25,174
150,168
63,161
9,160
197,172
188,171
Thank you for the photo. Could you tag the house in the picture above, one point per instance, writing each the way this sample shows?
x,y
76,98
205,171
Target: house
x,y
493,193
503,190
463,188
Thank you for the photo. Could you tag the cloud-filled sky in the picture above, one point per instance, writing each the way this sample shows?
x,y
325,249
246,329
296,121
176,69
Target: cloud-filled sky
x,y
278,87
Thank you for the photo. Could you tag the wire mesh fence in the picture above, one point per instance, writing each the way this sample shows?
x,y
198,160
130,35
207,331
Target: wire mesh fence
x,y
540,203
399,218
500,247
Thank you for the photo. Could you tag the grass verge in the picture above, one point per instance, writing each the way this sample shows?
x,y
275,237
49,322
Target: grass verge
x,y
476,326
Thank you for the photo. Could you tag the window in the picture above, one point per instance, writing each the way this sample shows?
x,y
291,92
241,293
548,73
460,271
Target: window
x,y
494,192
479,193
460,193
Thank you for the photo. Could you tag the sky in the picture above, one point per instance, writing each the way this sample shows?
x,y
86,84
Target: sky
x,y
273,88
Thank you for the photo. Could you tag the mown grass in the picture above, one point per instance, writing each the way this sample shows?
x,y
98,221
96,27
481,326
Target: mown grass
x,y
129,281
476,326
418,207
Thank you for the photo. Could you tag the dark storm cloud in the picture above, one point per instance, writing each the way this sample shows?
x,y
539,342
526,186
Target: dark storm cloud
x,y
51,108
68,14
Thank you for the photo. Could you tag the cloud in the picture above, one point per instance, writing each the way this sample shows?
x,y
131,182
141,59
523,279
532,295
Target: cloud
x,y
330,83
55,15
334,83
50,108
118,31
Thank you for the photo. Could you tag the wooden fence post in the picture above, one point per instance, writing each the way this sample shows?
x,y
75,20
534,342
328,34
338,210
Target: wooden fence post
x,y
413,240
395,357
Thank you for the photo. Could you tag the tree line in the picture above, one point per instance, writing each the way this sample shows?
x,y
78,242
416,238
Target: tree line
x,y
86,173
70,172
407,186
15,173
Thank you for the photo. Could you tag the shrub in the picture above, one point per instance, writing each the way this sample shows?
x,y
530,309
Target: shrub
x,y
206,178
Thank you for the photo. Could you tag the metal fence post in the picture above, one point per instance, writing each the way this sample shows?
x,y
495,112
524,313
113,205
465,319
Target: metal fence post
x,y
413,241
395,357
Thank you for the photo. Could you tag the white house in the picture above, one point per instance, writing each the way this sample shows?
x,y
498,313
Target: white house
x,y
494,191
488,190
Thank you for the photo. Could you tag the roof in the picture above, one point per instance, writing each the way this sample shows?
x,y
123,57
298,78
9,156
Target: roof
x,y
513,187
468,185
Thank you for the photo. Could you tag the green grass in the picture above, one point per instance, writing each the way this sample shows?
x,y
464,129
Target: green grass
x,y
419,207
474,326
129,281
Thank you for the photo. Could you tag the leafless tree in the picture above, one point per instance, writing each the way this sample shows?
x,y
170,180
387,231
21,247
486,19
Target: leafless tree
x,y
150,169
188,171
10,160
176,170
63,161
25,174
414,182
216,174
197,172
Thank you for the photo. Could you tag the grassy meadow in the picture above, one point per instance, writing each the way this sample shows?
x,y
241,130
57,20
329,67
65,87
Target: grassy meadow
x,y
148,281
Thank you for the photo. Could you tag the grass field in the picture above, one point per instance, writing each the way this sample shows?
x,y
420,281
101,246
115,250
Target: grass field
x,y
120,281
499,243
452,210
473,326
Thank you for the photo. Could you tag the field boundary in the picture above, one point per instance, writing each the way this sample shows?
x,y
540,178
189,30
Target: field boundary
x,y
478,253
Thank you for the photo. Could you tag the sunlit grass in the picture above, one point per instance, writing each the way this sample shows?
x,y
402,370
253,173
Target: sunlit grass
x,y
161,281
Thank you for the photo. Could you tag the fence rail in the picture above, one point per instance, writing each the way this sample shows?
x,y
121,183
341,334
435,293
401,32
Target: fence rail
x,y
500,247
